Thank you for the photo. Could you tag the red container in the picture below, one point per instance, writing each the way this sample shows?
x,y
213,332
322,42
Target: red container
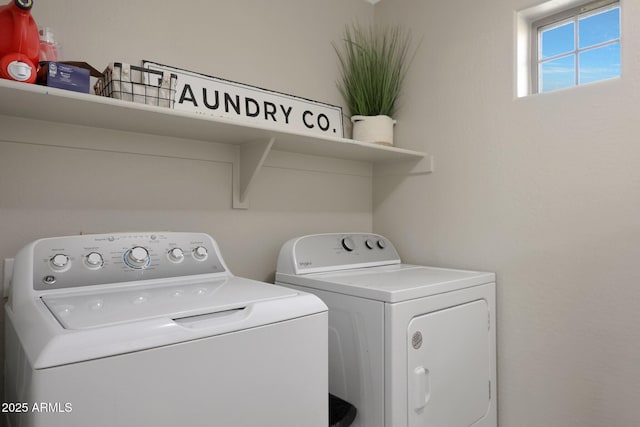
x,y
19,42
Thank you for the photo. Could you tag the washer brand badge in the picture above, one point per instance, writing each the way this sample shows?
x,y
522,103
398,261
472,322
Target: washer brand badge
x,y
305,263
416,340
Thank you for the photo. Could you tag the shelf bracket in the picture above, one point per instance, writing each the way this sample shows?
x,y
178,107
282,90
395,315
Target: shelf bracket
x,y
247,163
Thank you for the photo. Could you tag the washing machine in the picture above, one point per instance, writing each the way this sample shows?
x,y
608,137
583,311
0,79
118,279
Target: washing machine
x,y
409,345
152,329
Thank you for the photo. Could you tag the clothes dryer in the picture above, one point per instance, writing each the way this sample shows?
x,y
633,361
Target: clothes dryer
x,y
153,330
409,345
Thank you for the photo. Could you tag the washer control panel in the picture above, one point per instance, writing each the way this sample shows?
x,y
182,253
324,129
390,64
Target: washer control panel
x,y
326,251
73,261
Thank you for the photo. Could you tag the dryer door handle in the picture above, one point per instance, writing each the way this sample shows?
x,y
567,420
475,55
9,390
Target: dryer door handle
x,y
421,388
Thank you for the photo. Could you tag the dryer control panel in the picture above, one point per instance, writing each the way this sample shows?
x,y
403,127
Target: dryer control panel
x,y
74,261
330,252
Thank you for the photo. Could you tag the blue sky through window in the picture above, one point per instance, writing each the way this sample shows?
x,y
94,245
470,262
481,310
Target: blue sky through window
x,y
586,54
558,40
599,28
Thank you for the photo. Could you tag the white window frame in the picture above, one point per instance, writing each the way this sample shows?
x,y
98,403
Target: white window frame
x,y
569,15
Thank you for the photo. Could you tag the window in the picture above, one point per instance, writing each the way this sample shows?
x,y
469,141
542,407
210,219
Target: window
x,y
575,47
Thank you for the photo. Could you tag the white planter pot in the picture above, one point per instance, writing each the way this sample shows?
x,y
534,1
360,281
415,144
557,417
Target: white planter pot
x,y
376,129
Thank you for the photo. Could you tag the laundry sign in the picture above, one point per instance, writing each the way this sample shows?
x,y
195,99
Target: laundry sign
x,y
216,97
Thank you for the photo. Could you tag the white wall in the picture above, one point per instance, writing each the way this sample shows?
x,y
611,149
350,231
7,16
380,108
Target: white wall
x,y
543,190
48,188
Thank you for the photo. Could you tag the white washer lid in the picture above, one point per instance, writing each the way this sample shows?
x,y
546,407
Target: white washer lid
x,y
68,327
392,283
82,310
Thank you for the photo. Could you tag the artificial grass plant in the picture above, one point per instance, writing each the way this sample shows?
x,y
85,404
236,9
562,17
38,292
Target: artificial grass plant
x,y
373,65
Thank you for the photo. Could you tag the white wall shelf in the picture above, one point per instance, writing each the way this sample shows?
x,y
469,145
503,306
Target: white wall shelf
x,y
253,142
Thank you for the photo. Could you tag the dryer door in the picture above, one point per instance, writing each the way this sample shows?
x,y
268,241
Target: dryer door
x,y
449,368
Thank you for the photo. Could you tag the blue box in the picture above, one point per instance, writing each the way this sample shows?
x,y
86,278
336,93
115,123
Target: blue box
x,y
64,76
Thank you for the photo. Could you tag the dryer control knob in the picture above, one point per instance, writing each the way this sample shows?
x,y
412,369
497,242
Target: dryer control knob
x,y
348,244
382,244
369,243
200,253
176,255
59,262
137,257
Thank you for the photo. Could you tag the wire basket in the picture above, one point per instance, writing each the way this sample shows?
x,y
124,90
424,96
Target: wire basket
x,y
136,84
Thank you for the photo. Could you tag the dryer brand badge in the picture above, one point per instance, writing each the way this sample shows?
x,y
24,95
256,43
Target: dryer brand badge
x,y
305,263
416,340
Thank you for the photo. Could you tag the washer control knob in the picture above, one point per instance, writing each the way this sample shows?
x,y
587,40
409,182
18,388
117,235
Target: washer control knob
x,y
49,279
59,262
176,255
94,260
137,257
381,243
200,253
369,243
348,244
